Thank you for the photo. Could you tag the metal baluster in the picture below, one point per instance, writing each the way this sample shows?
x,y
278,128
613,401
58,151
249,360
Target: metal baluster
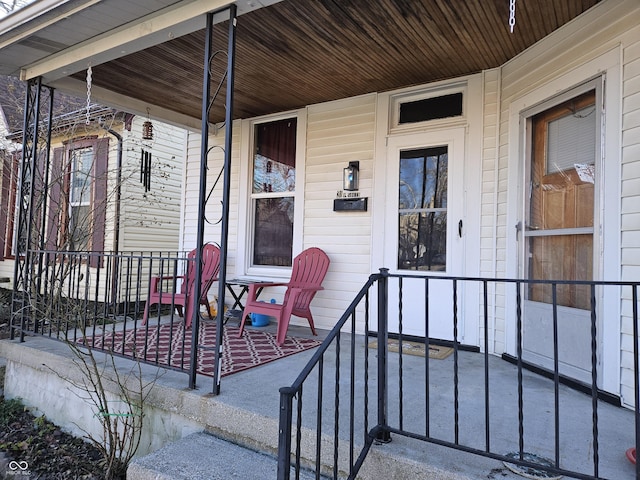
x,y
594,381
519,361
366,366
427,406
298,433
319,416
556,373
636,352
485,312
336,425
352,392
456,399
400,357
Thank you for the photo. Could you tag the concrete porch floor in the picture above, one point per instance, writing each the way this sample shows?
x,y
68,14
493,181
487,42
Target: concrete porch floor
x,y
246,412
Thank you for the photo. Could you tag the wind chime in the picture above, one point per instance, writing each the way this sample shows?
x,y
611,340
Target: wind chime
x,y
145,157
145,170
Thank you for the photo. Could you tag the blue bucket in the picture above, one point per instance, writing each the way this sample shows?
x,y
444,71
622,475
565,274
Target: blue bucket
x,y
260,320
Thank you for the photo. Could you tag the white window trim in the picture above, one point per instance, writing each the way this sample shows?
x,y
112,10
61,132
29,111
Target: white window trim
x,y
245,212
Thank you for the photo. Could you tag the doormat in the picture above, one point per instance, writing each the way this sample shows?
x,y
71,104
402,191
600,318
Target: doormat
x,y
170,345
416,348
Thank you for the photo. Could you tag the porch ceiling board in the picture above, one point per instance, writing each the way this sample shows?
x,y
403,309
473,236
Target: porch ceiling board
x,y
302,52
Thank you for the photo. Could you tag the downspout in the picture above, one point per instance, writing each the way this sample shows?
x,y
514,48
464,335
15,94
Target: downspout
x,y
116,239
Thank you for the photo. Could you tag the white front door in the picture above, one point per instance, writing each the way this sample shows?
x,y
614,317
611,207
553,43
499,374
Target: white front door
x,y
424,231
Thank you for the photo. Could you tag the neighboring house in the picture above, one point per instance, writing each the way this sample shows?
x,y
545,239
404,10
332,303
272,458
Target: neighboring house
x,y
98,201
536,148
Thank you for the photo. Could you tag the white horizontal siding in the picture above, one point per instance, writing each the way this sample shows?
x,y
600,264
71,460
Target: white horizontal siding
x,y
150,220
339,132
488,208
630,206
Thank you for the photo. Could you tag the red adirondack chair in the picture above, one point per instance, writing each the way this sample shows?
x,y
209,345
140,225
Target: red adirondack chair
x,y
307,274
183,299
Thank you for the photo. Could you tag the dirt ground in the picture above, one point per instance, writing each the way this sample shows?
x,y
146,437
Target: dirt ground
x,y
31,446
5,312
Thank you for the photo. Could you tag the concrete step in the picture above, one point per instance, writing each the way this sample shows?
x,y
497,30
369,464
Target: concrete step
x,y
202,456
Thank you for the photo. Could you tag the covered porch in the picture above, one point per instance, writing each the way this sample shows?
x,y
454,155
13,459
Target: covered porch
x,y
448,407
343,71
247,415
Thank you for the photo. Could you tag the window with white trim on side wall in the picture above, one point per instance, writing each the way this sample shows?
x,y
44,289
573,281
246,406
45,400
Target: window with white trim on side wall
x,y
271,233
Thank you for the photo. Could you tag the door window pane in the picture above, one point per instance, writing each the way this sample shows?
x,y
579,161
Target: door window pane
x,y
562,201
422,235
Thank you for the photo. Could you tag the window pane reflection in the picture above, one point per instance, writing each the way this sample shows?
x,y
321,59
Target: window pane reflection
x,y
422,243
273,231
422,235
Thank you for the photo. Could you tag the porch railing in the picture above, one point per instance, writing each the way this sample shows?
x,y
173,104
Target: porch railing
x,y
98,299
343,402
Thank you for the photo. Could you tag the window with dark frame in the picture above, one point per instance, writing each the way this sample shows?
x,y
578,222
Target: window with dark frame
x,y
273,191
78,197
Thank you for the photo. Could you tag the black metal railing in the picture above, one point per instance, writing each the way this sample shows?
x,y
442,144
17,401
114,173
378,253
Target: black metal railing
x,y
98,300
342,403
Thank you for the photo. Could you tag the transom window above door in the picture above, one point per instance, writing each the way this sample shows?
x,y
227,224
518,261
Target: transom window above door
x,y
437,106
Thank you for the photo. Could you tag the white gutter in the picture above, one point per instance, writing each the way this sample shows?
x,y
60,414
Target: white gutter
x,y
31,13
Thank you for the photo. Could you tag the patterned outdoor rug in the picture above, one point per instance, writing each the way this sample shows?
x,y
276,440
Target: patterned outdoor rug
x,y
169,345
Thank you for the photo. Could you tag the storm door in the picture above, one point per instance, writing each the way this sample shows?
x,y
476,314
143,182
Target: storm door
x,y
559,234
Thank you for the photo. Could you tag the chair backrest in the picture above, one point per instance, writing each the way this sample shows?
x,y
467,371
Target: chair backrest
x,y
309,270
210,269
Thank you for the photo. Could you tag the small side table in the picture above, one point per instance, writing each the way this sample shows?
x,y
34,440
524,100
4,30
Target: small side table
x,y
242,285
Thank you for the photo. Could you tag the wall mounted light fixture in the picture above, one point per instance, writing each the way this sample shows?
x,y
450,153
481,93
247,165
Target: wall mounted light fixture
x,y
350,176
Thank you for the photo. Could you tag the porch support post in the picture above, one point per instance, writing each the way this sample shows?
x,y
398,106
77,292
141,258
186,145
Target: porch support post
x,y
382,434
204,149
23,242
226,189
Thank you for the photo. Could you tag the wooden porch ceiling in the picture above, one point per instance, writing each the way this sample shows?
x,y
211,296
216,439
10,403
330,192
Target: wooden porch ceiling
x,y
300,52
